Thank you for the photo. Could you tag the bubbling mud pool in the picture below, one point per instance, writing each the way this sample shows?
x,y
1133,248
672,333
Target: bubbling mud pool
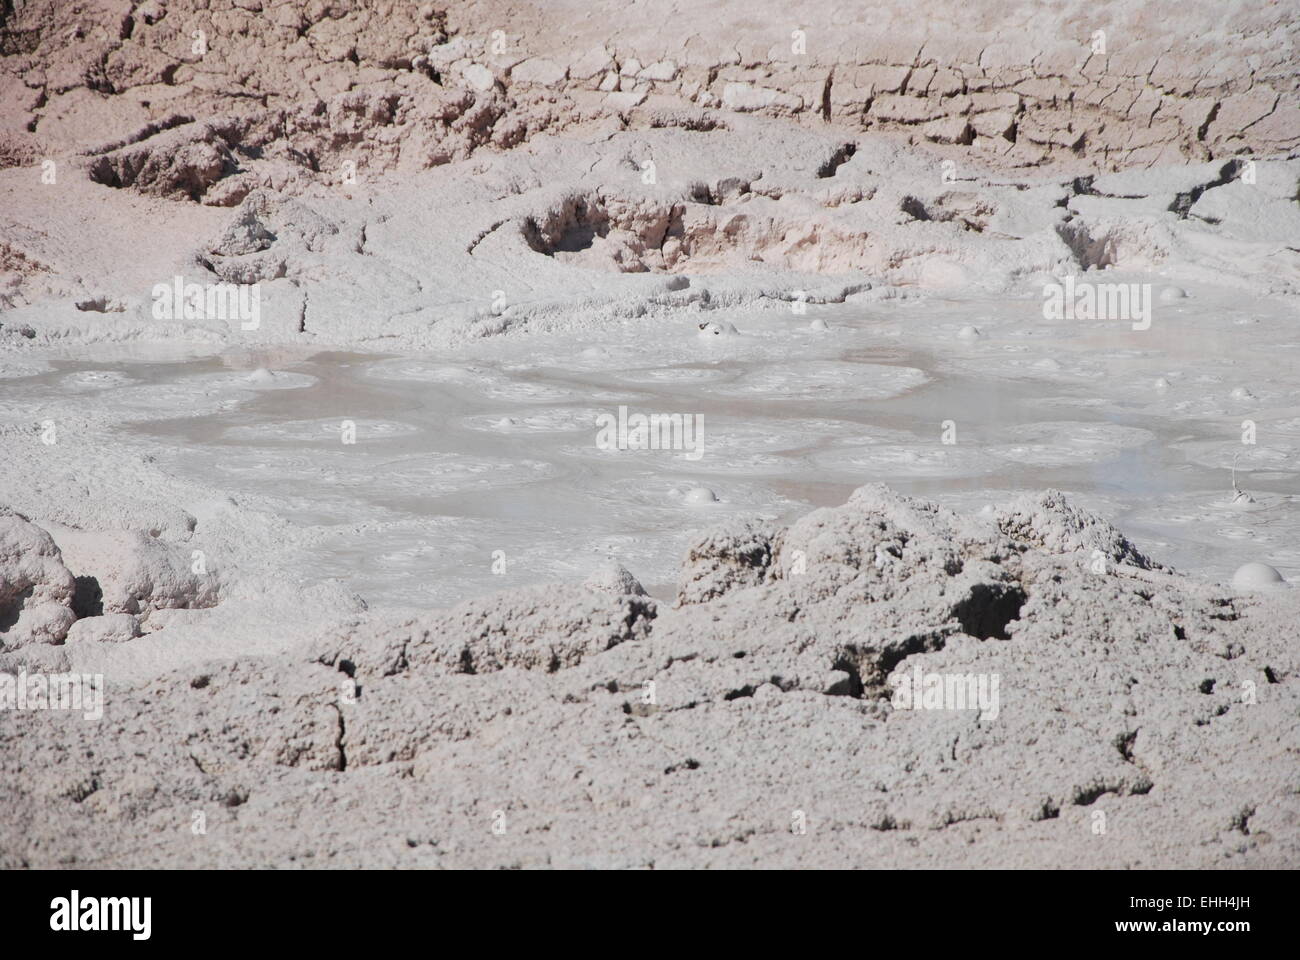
x,y
420,481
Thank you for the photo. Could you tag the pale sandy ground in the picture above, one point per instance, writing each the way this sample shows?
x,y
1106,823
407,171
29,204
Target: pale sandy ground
x,y
830,238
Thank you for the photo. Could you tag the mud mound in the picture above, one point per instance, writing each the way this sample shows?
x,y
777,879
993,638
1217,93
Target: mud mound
x,y
885,683
36,588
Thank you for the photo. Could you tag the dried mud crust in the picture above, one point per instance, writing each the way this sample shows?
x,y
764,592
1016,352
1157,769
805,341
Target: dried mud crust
x,y
442,152
302,88
604,729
